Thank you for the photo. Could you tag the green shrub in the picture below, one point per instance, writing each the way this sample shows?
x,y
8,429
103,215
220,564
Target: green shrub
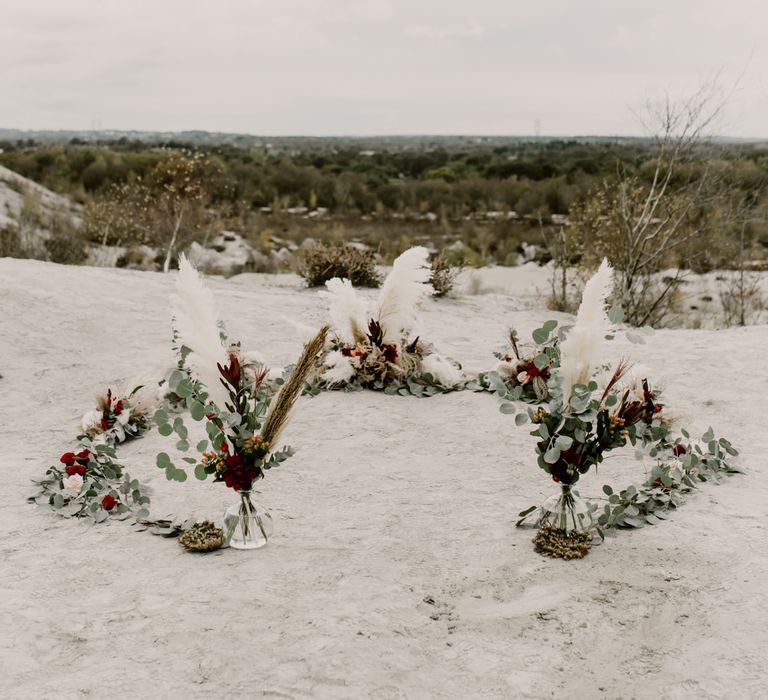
x,y
318,263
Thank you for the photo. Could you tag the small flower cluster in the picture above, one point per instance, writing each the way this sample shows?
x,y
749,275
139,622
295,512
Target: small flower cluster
x,y
374,360
572,440
90,483
238,468
530,372
115,419
75,467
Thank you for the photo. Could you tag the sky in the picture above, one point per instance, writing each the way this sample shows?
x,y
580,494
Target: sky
x,y
366,67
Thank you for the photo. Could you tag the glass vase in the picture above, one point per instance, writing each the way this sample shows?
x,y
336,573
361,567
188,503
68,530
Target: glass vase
x,y
566,511
247,525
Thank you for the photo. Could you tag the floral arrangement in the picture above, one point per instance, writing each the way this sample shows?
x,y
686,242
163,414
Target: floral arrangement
x,y
532,371
380,349
119,417
583,422
594,409
91,483
227,390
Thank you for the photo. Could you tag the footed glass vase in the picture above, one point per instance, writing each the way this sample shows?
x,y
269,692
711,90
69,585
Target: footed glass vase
x,y
247,525
566,511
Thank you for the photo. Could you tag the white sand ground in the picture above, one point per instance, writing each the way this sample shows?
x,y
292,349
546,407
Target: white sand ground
x,y
389,500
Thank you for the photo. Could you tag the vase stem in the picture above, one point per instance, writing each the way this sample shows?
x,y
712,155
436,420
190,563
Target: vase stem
x,y
247,525
566,511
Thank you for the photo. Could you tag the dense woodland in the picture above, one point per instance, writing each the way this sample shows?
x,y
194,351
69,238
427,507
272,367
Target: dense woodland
x,y
482,196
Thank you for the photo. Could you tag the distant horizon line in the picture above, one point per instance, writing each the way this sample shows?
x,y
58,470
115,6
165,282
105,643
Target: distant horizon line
x,y
383,135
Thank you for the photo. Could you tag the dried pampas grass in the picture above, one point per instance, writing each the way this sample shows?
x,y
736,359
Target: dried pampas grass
x,y
404,291
442,370
340,369
196,323
579,352
346,310
282,404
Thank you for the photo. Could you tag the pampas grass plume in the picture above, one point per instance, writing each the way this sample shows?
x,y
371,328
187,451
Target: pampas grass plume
x,y
196,322
403,292
346,310
580,351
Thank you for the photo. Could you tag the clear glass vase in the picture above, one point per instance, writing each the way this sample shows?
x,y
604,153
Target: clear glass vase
x,y
247,525
566,511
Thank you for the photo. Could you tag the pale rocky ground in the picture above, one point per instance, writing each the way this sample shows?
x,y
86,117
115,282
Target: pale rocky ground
x,y
12,189
389,501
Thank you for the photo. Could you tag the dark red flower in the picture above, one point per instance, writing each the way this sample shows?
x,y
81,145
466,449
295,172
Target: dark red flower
x,y
83,457
390,352
533,371
237,474
678,450
118,409
346,351
104,422
555,479
75,469
231,372
68,458
108,502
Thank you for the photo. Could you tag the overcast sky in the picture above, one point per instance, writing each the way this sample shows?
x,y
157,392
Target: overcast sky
x,y
331,67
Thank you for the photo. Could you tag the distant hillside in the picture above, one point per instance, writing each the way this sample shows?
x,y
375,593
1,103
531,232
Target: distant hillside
x,y
304,143
320,143
32,217
14,187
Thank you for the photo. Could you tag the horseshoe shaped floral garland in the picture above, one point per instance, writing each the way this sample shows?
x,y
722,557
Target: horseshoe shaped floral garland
x,y
572,436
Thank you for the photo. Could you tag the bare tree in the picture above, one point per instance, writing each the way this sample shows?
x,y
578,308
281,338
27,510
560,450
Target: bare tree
x,y
641,220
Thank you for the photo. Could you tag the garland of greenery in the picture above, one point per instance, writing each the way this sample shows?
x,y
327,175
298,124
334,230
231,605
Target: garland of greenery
x,y
108,492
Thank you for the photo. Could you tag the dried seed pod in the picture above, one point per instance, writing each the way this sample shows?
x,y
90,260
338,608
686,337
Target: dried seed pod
x,y
554,542
202,537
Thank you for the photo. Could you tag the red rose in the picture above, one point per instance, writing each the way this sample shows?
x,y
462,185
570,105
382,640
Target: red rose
x,y
678,450
67,458
75,469
108,502
118,409
238,475
83,457
104,424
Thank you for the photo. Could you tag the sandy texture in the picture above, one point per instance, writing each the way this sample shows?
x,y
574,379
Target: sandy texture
x,y
389,502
